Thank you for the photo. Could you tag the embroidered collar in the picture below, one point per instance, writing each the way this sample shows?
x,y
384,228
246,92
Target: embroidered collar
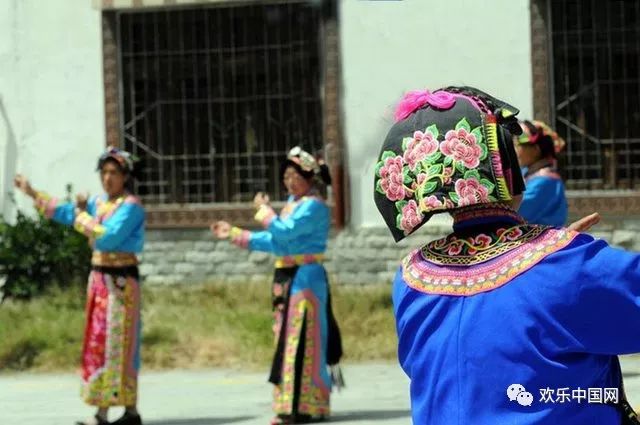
x,y
290,206
489,247
106,207
478,248
293,203
450,267
481,233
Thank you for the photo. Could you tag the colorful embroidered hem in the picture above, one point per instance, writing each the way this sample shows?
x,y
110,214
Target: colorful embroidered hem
x,y
110,355
298,260
302,354
451,279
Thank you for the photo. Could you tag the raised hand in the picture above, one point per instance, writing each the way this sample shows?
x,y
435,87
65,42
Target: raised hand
x,y
585,223
220,229
260,199
22,184
81,201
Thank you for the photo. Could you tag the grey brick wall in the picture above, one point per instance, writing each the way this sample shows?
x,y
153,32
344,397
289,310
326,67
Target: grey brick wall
x,y
354,256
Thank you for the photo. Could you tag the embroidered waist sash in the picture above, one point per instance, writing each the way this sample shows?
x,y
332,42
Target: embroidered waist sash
x,y
113,259
298,260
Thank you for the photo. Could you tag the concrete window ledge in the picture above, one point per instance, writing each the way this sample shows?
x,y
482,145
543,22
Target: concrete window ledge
x,y
199,216
607,203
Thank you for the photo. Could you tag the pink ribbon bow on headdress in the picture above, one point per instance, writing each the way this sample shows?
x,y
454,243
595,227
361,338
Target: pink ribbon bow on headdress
x,y
416,99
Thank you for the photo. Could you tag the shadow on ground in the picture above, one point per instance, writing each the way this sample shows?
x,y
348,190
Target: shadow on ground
x,y
200,421
370,415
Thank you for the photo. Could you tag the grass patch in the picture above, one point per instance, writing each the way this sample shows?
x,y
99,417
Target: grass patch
x,y
189,327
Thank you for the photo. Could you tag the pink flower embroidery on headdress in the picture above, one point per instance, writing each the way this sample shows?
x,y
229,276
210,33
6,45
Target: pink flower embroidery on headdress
x,y
462,146
432,203
391,178
471,192
421,146
411,216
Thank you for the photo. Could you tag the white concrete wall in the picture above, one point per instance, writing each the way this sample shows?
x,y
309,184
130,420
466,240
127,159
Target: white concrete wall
x,y
390,47
51,94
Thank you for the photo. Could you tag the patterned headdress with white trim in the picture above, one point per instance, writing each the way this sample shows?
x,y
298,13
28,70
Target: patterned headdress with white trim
x,y
448,149
123,158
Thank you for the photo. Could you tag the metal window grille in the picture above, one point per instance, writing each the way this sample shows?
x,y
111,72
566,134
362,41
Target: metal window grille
x,y
595,57
212,98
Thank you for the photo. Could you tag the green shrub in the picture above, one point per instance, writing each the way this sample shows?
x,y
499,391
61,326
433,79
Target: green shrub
x,y
36,253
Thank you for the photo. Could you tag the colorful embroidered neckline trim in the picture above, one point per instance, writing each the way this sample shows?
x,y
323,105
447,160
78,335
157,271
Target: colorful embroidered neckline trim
x,y
290,206
448,279
453,250
105,208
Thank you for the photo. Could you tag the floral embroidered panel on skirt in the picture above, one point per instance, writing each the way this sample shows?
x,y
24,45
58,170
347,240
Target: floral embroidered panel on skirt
x,y
111,350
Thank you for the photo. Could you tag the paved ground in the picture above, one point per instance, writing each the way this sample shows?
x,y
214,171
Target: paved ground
x,y
377,394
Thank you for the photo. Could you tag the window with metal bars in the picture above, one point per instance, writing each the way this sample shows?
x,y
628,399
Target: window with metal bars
x,y
595,57
212,98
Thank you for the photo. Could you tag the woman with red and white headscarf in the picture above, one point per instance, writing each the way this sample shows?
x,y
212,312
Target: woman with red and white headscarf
x,y
544,201
114,225
306,335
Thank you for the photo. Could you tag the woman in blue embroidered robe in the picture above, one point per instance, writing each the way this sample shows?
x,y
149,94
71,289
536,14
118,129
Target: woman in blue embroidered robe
x,y
544,201
501,322
114,225
306,335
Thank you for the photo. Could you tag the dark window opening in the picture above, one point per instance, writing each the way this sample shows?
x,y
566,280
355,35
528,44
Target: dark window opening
x,y
595,49
212,98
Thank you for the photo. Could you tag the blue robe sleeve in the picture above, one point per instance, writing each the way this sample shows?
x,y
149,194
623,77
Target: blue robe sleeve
x,y
261,241
538,192
253,241
544,202
603,309
114,231
302,221
110,235
60,212
64,213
